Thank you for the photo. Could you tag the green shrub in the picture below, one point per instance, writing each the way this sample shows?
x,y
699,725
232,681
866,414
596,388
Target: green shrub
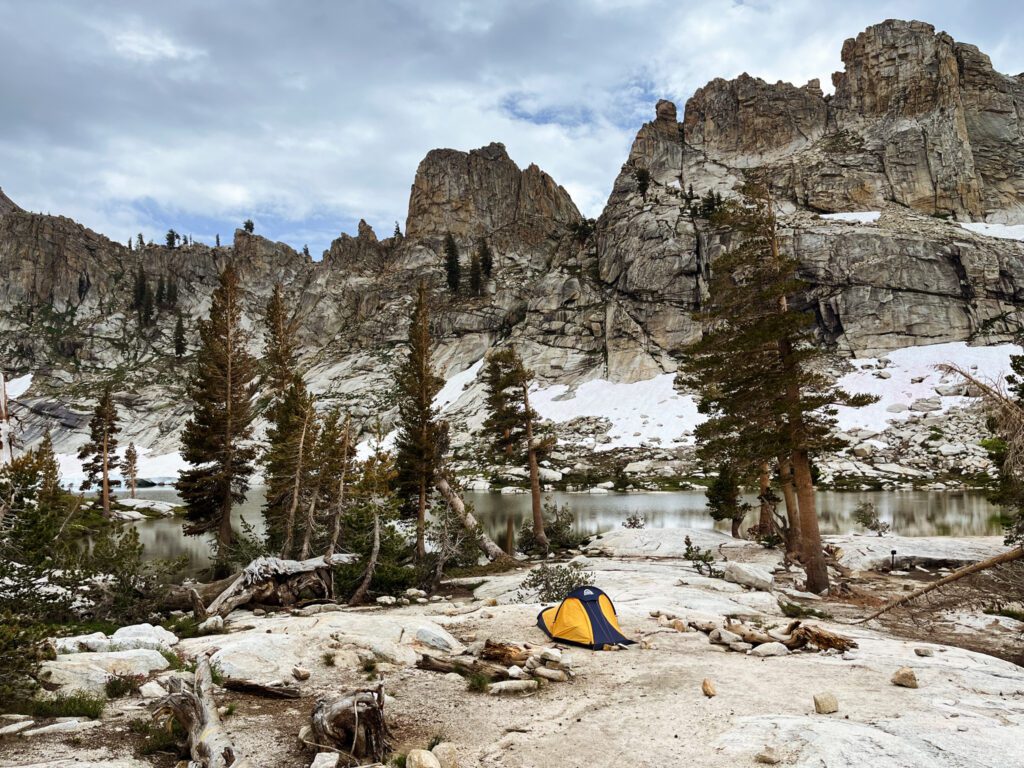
x,y
702,559
866,516
477,682
558,526
635,521
119,686
550,583
155,739
75,704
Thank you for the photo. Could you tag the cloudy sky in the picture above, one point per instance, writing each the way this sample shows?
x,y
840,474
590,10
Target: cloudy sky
x,y
307,115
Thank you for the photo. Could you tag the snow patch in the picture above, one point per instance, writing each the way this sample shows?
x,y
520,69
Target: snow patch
x,y
913,376
642,412
859,217
1004,231
19,386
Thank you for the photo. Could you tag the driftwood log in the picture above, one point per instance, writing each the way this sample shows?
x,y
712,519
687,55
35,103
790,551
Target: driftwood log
x,y
462,666
353,724
469,522
795,636
258,689
506,654
196,712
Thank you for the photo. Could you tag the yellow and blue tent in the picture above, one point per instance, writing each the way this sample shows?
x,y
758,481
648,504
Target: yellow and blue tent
x,y
586,617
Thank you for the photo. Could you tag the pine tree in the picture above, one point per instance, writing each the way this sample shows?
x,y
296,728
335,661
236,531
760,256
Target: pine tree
x,y
476,278
416,447
161,292
98,454
172,293
147,313
512,423
180,345
397,234
129,245
130,470
453,272
305,251
755,371
724,501
215,439
288,462
217,240
281,349
486,258
141,287
248,226
171,238
141,243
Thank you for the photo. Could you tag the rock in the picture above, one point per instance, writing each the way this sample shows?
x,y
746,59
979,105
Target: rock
x,y
413,593
770,649
749,576
15,728
926,405
924,652
723,637
143,636
439,639
898,408
152,690
67,726
386,600
554,675
768,756
551,654
708,688
211,626
516,673
325,760
446,754
97,641
421,758
740,647
89,672
300,673
825,703
905,678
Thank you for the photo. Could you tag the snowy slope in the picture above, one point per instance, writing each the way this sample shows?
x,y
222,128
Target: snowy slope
x,y
913,377
19,386
859,217
1005,231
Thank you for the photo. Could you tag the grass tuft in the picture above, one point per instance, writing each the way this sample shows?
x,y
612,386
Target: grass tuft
x,y
76,704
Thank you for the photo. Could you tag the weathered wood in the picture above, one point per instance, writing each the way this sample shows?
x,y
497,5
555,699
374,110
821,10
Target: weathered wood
x,y
801,635
469,522
353,724
504,653
449,664
967,570
748,634
196,712
258,689
371,566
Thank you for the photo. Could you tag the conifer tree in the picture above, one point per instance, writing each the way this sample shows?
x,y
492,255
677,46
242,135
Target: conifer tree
x,y
180,345
486,258
130,470
281,350
98,454
754,369
416,446
217,240
141,287
172,293
476,278
141,243
305,251
397,234
161,292
171,238
148,311
289,463
130,243
512,423
216,437
724,501
452,270
248,226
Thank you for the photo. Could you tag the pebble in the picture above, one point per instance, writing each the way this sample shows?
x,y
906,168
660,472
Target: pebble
x,y
924,652
905,678
300,673
768,756
708,688
825,703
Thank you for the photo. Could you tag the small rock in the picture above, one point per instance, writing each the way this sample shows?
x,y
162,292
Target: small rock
x,y
708,688
420,758
554,675
724,637
386,600
152,690
749,576
679,625
551,654
412,592
300,673
516,673
258,612
770,649
825,703
325,760
454,677
924,652
14,728
905,678
768,756
223,711
740,647
446,755
211,626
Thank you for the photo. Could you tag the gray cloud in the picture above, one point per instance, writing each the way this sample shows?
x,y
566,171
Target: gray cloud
x,y
310,115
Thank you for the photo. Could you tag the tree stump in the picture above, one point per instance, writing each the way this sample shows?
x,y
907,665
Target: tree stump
x,y
353,724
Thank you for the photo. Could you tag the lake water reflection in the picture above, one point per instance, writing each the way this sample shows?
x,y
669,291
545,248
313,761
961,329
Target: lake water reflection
x,y
911,513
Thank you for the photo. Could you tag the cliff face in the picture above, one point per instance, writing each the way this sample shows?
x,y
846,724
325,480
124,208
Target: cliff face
x,y
917,119
919,125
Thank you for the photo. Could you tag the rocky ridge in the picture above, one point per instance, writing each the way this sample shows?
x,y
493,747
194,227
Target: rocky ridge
x,y
919,126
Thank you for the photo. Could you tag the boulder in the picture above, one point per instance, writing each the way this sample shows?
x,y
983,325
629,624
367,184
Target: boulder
x,y
435,637
825,703
748,575
143,636
212,625
421,758
325,760
89,672
770,649
446,754
905,678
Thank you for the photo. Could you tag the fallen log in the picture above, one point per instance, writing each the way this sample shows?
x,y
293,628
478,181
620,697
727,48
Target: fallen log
x,y
259,689
469,522
967,570
506,654
196,712
474,667
353,724
801,635
748,634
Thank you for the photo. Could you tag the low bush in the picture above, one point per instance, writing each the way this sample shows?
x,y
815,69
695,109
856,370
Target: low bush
x,y
119,686
551,583
76,704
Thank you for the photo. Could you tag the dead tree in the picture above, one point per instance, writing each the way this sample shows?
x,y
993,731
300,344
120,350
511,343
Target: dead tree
x,y
371,565
353,724
196,712
469,522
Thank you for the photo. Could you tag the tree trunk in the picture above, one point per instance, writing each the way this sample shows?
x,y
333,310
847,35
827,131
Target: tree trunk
x,y
371,565
539,534
196,712
224,530
289,533
812,556
105,481
421,521
510,536
737,523
339,509
307,535
764,522
793,536
354,725
486,544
